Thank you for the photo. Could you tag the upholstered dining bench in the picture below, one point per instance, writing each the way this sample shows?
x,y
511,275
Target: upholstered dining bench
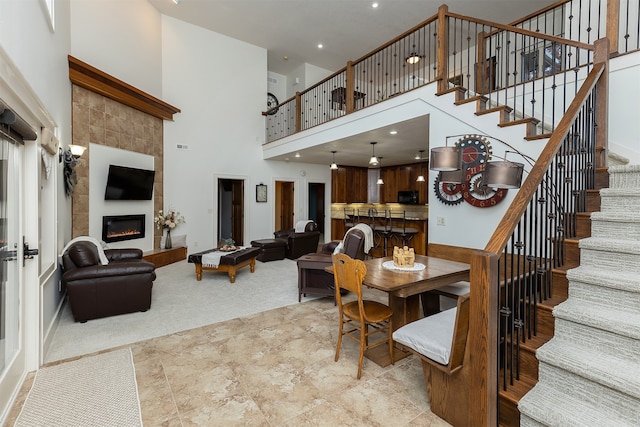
x,y
230,263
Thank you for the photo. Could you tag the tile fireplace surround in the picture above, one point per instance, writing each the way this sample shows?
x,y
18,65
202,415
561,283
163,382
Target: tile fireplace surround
x,y
100,120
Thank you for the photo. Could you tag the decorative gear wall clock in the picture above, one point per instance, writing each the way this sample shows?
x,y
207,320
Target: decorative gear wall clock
x,y
477,193
476,152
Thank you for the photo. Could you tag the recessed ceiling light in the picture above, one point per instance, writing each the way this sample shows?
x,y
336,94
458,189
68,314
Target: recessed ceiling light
x,y
298,155
374,5
393,132
320,46
177,1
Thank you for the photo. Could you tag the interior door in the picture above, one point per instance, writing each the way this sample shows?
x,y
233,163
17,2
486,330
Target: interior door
x,y
316,204
237,201
286,207
12,304
231,210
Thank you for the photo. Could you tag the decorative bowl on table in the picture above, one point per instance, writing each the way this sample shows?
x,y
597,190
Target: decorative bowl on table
x,y
227,248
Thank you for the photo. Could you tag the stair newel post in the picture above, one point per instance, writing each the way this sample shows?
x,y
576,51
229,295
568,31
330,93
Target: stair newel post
x,y
443,48
483,339
298,112
350,88
601,56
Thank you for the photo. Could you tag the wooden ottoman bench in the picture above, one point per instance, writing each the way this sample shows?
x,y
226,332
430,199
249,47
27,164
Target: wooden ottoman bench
x,y
231,263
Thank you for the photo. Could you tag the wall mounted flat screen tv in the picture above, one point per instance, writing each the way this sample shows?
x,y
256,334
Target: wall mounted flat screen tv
x,y
124,183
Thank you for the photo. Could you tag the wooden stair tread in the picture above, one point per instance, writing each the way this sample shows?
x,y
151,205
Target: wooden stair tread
x,y
449,90
534,343
536,137
471,99
561,269
526,120
494,109
551,302
520,387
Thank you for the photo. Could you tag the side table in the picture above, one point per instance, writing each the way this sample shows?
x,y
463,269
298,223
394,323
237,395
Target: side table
x,y
312,278
162,257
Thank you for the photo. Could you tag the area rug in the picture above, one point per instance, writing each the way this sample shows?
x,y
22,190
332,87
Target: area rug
x,y
93,391
180,302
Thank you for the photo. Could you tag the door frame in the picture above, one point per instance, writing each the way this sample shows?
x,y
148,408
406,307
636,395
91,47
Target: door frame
x,y
17,93
298,188
215,207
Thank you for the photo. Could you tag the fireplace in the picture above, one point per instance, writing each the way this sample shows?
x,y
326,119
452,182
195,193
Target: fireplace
x,y
122,227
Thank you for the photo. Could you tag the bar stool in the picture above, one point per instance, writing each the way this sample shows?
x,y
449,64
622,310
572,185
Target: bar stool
x,y
350,218
399,231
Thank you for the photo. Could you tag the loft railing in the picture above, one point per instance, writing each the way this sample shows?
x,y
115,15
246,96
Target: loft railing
x,y
586,21
513,273
531,69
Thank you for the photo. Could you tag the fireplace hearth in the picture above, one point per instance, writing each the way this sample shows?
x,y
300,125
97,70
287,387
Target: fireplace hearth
x,y
122,227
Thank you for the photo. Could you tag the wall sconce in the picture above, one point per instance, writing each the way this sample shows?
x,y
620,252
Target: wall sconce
x,y
373,161
504,174
445,158
453,177
71,157
334,165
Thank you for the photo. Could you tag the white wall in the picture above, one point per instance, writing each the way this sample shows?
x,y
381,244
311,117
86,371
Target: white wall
x,y
624,93
39,59
121,38
101,157
222,125
277,85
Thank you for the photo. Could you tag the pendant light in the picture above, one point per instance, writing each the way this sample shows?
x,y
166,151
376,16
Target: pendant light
x,y
420,177
380,181
413,58
373,161
334,165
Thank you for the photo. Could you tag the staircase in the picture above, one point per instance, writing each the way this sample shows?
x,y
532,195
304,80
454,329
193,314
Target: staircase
x,y
589,372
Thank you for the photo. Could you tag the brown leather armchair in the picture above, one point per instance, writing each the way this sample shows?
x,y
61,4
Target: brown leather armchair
x,y
301,243
95,290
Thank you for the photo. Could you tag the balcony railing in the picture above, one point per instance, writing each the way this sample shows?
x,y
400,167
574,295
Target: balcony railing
x,y
532,69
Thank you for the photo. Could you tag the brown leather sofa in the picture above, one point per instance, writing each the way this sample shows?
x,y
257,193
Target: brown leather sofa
x,y
302,243
95,290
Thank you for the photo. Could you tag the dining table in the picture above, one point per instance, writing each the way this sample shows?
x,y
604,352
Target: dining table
x,y
404,287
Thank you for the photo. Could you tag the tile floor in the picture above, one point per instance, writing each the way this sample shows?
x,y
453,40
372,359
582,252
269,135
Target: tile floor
x,y
274,368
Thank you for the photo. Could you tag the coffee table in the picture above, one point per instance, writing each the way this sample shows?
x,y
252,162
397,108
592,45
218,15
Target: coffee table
x,y
229,263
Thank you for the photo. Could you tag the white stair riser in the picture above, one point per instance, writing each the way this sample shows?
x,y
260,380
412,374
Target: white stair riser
x,y
618,299
619,200
621,280
610,261
592,394
624,177
615,229
604,341
529,422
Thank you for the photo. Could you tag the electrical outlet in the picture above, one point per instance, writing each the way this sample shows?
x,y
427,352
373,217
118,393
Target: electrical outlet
x,y
440,220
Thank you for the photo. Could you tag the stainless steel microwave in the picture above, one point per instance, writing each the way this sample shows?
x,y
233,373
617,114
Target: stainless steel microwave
x,y
408,197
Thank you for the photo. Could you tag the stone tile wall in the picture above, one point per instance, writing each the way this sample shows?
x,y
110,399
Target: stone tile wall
x,y
101,120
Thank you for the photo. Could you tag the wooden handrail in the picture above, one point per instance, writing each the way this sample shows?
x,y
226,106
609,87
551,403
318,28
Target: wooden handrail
x,y
539,12
523,32
520,202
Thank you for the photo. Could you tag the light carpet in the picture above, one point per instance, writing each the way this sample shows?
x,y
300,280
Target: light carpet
x,y
179,302
93,391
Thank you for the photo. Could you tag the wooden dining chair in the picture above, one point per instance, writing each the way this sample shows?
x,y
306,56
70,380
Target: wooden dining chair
x,y
362,318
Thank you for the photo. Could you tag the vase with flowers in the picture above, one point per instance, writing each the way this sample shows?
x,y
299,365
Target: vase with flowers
x,y
168,220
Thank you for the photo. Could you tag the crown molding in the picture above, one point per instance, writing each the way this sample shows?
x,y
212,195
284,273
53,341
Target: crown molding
x,y
90,78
